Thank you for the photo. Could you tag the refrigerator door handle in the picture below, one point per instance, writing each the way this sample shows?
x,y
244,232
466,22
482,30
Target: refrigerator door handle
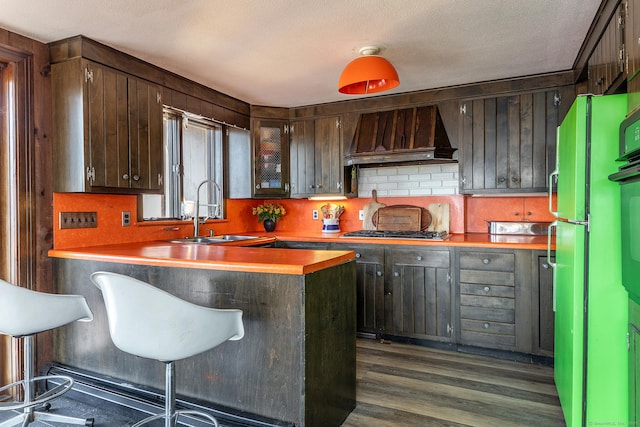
x,y
554,173
553,225
551,176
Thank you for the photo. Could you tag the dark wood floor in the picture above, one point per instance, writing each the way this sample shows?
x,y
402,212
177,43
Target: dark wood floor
x,y
407,385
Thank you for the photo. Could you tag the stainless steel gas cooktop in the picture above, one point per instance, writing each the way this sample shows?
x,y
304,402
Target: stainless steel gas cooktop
x,y
428,235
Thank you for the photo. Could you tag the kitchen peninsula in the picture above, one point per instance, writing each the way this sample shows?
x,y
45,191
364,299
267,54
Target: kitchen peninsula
x,y
296,362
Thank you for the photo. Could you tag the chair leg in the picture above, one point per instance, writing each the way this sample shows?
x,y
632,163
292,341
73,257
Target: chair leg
x,y
169,395
29,416
29,413
170,414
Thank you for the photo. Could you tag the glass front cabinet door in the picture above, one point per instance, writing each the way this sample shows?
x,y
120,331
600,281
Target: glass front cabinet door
x,y
271,158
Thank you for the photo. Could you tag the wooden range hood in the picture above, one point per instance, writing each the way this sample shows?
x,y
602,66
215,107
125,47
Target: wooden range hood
x,y
411,135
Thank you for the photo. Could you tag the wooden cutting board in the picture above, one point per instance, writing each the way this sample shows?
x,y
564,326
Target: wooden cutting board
x,y
398,218
370,209
404,224
440,217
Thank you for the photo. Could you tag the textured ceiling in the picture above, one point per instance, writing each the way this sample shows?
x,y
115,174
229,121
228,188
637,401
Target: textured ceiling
x,y
290,52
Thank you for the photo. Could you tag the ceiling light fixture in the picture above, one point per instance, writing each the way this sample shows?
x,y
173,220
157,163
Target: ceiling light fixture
x,y
369,73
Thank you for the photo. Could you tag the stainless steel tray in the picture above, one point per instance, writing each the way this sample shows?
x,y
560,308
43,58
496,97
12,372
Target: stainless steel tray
x,y
526,228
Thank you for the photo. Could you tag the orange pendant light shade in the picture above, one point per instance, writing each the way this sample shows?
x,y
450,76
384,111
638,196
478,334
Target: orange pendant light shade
x,y
368,74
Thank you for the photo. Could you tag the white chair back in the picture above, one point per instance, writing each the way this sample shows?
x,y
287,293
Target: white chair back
x,y
26,312
149,322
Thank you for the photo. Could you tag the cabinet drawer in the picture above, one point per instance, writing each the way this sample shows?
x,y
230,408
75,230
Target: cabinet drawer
x,y
488,327
487,302
496,341
501,278
368,255
424,258
488,314
487,290
494,261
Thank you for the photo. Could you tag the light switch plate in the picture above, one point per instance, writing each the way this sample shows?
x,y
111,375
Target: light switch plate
x,y
78,220
314,214
361,214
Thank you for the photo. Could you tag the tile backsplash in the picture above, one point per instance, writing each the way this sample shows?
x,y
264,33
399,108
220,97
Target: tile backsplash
x,y
439,179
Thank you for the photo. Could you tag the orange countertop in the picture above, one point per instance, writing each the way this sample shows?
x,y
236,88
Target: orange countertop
x,y
233,256
211,257
482,240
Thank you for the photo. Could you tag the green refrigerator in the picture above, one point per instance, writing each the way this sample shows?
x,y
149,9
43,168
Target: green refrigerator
x,y
590,303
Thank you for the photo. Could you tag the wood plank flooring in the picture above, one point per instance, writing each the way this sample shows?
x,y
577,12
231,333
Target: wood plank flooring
x,y
407,385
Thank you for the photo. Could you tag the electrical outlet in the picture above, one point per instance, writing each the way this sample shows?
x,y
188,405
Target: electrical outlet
x,y
314,214
126,218
361,214
78,220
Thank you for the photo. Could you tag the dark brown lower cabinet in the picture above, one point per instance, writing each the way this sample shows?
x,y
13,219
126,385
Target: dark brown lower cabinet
x,y
543,314
420,284
370,290
370,286
498,299
495,299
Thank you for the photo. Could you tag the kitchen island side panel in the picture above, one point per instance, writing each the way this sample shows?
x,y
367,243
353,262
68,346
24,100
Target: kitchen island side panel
x,y
330,306
264,373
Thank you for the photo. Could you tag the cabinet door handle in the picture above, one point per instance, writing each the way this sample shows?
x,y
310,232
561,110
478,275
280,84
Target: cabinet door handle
x,y
486,325
396,274
125,176
358,255
419,257
312,186
486,261
487,289
379,273
136,178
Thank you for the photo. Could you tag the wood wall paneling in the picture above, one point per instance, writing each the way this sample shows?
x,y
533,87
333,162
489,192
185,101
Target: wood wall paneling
x,y
31,222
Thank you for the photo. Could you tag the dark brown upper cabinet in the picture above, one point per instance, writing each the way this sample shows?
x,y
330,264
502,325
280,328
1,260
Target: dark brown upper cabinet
x,y
508,142
632,48
271,158
316,157
606,64
405,135
107,130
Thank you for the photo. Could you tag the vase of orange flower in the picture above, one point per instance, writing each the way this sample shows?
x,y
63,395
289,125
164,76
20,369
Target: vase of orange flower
x,y
268,214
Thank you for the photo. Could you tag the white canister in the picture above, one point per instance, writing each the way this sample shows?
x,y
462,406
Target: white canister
x,y
331,225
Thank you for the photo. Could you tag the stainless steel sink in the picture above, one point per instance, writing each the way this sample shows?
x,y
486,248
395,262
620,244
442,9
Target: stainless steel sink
x,y
234,237
205,240
200,240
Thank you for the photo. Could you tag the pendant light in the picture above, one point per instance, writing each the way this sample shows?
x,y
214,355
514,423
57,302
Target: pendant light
x,y
369,73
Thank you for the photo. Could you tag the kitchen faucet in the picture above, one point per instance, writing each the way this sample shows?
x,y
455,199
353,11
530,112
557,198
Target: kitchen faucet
x,y
196,220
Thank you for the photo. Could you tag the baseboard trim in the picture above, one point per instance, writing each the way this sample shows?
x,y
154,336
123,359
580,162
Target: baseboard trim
x,y
89,386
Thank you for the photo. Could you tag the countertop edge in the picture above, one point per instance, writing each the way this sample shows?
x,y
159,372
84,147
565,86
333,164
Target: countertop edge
x,y
214,262
264,260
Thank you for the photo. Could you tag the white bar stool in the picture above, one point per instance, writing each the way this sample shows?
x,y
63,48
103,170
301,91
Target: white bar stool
x,y
24,313
149,322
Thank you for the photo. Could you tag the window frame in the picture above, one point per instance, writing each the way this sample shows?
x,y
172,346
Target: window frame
x,y
175,122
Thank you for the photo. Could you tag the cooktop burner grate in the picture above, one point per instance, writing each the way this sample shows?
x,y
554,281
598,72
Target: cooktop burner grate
x,y
428,235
